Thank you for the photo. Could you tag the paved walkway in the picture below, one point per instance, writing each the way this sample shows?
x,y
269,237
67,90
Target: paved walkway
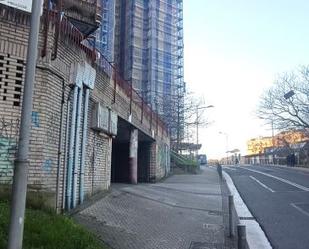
x,y
184,211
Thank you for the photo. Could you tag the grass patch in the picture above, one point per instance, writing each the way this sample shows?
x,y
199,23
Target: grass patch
x,y
46,230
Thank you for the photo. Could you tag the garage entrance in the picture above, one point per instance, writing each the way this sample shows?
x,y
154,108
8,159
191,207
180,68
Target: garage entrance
x,y
121,161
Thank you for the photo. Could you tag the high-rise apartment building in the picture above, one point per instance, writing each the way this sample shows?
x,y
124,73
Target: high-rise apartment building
x,y
106,32
149,53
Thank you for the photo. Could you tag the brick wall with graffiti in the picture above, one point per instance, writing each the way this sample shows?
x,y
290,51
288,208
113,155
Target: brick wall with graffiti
x,y
8,141
163,159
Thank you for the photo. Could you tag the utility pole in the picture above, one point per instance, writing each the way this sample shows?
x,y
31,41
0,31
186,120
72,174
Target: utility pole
x,y
19,189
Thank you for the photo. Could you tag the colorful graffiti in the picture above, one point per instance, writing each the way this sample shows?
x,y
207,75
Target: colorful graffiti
x,y
7,155
9,128
163,157
47,166
35,119
8,145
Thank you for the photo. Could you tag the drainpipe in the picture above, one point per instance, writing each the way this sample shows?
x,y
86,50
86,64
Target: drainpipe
x,y
71,151
57,31
77,144
60,141
83,152
67,130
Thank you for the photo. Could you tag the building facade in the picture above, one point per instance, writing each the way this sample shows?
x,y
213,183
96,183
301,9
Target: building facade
x,y
86,129
276,149
282,139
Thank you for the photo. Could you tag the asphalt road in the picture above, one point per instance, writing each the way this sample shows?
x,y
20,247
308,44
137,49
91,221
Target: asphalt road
x,y
278,198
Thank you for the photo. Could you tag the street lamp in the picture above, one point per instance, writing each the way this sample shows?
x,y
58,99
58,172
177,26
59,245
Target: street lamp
x,y
197,118
227,144
289,94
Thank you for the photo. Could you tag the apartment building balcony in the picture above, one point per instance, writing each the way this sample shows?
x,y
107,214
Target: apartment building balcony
x,y
86,15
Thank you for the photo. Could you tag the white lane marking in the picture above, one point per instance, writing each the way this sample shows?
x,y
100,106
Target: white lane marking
x,y
299,209
256,238
279,179
299,170
229,168
262,184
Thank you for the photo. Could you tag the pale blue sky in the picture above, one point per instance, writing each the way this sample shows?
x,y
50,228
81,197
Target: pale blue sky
x,y
233,51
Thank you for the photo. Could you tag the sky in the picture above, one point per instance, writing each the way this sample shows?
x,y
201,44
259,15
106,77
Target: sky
x,y
234,50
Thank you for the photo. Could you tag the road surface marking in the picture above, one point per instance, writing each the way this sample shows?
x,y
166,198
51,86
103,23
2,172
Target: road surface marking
x,y
300,209
262,184
298,170
228,168
256,237
280,179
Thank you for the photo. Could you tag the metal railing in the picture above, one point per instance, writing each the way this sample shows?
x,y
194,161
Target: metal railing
x,y
69,31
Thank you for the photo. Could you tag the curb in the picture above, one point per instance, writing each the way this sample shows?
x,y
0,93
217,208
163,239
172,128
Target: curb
x,y
256,237
88,202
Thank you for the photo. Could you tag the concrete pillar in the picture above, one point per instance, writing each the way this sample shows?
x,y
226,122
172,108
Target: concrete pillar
x,y
153,162
133,155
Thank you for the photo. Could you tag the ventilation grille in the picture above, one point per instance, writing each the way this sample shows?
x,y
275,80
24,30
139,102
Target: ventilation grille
x,y
11,79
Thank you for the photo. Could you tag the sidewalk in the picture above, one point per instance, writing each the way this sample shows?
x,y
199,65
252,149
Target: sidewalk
x,y
184,211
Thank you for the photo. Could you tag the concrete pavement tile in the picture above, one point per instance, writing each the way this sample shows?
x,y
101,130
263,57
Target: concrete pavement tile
x,y
146,217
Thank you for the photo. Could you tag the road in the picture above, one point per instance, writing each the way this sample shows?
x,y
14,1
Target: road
x,y
278,198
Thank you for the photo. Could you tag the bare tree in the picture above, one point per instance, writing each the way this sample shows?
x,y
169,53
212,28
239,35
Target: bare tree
x,y
191,116
181,116
286,103
193,113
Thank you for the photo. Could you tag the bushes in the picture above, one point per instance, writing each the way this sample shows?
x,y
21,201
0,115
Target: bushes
x,y
184,163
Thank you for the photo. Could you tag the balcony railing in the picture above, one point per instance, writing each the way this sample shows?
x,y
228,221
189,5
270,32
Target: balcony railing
x,y
86,15
71,32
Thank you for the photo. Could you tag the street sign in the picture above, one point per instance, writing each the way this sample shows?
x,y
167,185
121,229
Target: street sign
x,y
24,5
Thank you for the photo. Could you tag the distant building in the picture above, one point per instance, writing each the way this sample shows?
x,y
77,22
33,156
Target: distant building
x,y
258,145
265,150
282,139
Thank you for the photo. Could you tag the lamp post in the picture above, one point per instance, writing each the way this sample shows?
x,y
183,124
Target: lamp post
x,y
197,123
287,96
20,179
227,144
